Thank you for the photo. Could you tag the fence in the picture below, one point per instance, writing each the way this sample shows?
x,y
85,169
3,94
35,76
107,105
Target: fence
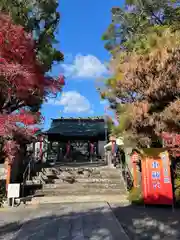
x,y
127,175
122,164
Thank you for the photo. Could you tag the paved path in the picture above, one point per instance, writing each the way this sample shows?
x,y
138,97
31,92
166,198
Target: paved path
x,y
87,221
149,223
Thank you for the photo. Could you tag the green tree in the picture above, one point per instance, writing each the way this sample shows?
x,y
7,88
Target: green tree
x,y
135,18
41,18
138,61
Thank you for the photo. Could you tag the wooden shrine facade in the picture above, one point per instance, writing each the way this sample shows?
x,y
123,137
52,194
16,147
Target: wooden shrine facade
x,y
79,132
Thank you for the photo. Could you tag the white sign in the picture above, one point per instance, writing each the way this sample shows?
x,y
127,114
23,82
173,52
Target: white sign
x,y
13,190
156,185
167,180
155,175
166,172
155,165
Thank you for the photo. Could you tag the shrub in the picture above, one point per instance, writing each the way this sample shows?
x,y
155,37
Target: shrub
x,y
135,195
2,192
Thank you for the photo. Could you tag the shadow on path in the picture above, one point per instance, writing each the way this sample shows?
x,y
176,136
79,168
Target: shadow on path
x,y
149,223
68,222
90,221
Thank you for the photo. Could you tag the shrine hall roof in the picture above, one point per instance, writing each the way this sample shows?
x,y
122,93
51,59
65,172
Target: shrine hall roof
x,y
68,127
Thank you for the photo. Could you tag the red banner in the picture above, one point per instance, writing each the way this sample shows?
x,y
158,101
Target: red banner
x,y
156,180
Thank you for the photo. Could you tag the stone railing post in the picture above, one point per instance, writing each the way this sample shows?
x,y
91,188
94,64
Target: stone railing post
x,y
109,159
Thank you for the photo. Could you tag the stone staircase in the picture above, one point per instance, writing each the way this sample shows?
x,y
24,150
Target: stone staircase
x,y
76,184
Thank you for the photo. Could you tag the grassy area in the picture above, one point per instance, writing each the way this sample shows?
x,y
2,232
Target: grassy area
x,y
177,190
135,196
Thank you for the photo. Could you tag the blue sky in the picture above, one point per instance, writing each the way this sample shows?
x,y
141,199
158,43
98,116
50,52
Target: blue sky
x,y
82,24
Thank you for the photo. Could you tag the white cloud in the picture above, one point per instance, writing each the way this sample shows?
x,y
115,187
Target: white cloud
x,y
51,101
104,102
85,67
73,102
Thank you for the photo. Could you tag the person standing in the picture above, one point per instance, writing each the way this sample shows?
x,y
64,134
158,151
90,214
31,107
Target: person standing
x,y
68,149
96,150
91,151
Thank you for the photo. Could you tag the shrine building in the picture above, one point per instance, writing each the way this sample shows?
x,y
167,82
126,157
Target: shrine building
x,y
79,132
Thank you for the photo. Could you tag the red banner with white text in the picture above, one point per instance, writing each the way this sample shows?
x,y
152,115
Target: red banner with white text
x,y
156,180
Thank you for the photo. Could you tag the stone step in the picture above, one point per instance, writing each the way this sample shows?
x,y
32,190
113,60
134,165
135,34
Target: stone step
x,y
109,170
33,182
114,198
113,177
76,171
92,180
110,174
75,192
79,168
82,185
81,172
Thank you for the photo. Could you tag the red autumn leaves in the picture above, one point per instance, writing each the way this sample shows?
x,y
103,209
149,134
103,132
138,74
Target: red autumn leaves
x,y
23,82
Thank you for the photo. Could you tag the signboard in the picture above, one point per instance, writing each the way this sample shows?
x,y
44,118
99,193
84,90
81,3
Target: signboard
x,y
156,179
13,190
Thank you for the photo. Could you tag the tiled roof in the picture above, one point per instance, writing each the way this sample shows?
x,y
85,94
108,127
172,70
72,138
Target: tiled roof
x,y
77,127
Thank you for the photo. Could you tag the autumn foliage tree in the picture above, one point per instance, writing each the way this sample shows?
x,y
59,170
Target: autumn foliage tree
x,y
23,84
149,86
145,85
41,18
